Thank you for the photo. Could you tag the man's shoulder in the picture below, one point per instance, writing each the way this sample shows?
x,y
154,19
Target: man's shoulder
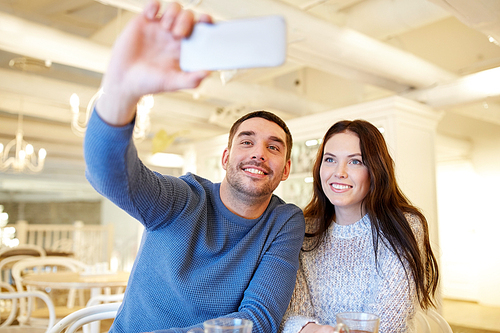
x,y
278,202
198,186
286,209
198,182
190,177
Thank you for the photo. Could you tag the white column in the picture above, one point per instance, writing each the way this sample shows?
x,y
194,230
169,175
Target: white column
x,y
127,234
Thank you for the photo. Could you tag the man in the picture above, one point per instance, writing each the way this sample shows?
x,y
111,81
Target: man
x,y
208,250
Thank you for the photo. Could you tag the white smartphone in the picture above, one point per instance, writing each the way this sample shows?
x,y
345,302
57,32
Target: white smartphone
x,y
235,44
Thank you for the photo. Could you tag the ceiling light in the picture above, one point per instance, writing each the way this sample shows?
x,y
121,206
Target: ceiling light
x,y
19,155
30,64
142,119
493,40
166,160
310,143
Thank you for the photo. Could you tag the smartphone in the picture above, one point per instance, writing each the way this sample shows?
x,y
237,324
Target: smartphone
x,y
235,44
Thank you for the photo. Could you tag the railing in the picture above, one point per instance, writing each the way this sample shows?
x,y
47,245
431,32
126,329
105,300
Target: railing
x,y
88,243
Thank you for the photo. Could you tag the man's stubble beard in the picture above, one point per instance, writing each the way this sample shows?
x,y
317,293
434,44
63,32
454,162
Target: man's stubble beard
x,y
244,187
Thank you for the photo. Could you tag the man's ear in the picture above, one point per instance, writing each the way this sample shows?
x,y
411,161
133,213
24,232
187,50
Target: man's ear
x,y
286,171
225,158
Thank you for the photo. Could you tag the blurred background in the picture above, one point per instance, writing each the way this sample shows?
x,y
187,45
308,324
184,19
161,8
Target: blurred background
x,y
443,55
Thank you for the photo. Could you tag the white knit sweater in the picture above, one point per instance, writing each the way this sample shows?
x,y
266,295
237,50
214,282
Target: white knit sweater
x,y
340,276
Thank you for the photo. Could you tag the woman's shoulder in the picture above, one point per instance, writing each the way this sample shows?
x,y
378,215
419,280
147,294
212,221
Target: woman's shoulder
x,y
311,227
416,224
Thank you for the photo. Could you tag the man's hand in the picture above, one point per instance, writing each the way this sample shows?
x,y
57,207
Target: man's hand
x,y
145,60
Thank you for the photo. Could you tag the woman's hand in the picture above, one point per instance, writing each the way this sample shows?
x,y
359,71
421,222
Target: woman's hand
x,y
145,60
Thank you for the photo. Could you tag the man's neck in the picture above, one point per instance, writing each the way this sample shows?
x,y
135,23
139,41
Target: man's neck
x,y
241,204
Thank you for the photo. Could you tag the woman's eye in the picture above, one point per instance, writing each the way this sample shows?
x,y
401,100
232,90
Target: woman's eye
x,y
328,159
357,162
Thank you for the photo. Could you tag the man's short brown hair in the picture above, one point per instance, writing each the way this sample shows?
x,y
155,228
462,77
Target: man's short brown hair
x,y
267,116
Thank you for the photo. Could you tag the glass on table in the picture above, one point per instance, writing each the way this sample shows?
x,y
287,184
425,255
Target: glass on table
x,y
359,322
225,325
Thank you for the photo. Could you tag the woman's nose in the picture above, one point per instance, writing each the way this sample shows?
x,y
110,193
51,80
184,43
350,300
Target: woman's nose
x,y
340,172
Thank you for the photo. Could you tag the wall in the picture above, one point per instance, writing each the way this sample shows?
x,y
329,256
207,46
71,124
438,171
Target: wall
x,y
54,212
469,221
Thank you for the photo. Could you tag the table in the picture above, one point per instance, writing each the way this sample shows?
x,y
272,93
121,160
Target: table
x,y
75,280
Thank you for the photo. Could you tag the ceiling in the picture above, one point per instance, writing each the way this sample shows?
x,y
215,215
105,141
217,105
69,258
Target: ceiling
x,y
340,53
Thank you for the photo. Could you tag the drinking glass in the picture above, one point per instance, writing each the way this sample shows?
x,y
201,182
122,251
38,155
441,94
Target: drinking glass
x,y
359,322
225,325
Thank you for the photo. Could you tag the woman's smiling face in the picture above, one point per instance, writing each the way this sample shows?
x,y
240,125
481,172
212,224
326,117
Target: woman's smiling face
x,y
344,177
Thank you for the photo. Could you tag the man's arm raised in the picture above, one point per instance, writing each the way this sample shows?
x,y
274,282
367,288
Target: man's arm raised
x,y
145,60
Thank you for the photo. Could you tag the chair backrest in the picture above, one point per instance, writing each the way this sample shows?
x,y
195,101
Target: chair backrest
x,y
101,299
13,310
6,266
84,316
23,249
14,296
94,300
430,321
38,265
42,262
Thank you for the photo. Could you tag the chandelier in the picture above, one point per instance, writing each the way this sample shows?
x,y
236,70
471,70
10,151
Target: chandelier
x,y
19,155
142,119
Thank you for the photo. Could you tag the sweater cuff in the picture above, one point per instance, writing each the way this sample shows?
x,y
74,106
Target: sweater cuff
x,y
99,127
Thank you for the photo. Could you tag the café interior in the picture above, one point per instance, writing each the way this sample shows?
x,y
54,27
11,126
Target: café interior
x,y
425,72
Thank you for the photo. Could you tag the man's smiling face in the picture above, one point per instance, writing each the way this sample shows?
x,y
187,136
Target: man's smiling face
x,y
256,162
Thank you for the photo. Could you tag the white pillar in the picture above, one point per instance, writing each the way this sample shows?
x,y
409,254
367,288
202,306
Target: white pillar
x,y
22,231
127,234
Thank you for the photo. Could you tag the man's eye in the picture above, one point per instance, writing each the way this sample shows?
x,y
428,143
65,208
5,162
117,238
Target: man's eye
x,y
246,143
274,148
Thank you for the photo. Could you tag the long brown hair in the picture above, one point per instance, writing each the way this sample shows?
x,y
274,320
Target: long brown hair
x,y
385,204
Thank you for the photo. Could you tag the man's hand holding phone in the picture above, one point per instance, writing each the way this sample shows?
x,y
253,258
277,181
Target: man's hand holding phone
x,y
235,44
171,51
145,60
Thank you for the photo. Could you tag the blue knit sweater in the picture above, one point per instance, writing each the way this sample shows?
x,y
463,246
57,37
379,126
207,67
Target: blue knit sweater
x,y
197,260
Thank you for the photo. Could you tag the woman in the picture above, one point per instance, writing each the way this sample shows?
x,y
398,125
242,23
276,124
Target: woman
x,y
366,247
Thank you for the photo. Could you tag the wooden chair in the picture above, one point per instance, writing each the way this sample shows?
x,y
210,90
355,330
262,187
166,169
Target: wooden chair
x,y
7,326
10,255
430,321
39,265
101,299
8,317
85,316
6,267
23,249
